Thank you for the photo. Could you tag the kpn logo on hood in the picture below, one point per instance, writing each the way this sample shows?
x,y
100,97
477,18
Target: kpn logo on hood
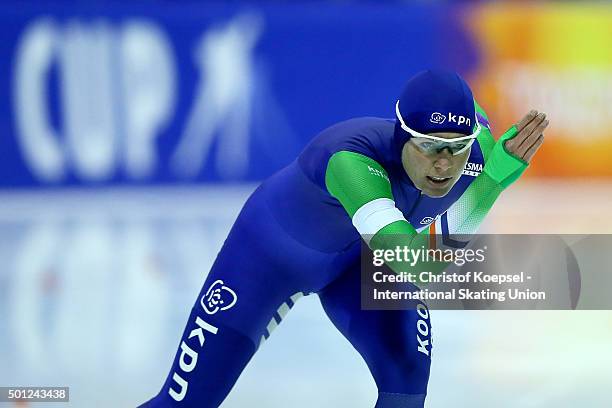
x,y
439,118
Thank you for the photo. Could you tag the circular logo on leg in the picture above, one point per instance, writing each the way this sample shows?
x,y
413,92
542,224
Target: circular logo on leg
x,y
218,297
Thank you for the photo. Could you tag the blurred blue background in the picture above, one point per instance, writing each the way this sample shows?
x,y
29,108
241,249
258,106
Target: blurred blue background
x,y
154,92
132,133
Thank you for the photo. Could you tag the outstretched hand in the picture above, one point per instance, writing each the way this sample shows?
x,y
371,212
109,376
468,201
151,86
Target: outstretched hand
x,y
530,136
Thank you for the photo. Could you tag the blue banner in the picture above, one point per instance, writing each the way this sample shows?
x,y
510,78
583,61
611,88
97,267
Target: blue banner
x,y
157,93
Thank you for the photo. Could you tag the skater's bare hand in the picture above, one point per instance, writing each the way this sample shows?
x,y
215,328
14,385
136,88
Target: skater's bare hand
x,y
530,136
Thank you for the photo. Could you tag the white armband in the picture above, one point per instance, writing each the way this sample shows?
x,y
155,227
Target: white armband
x,y
375,215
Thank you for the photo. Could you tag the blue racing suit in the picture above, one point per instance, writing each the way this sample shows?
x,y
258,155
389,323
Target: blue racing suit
x,y
293,238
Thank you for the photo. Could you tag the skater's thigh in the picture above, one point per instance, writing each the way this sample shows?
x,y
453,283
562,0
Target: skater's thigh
x,y
395,344
258,273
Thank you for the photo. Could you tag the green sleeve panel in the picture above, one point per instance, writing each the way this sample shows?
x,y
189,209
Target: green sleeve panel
x,y
503,167
486,142
355,180
397,227
402,234
468,212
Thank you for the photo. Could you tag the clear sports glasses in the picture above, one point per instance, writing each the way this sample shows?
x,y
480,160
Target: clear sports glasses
x,y
432,144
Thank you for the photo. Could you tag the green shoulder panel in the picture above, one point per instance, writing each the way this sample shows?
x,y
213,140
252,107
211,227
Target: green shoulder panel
x,y
355,180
